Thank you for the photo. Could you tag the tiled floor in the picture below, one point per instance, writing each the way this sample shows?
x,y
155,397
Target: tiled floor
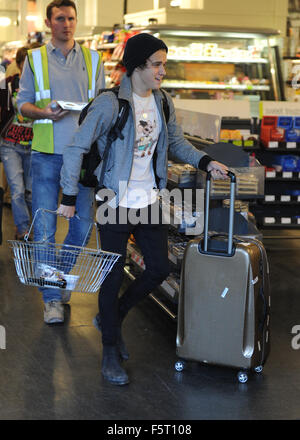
x,y
53,372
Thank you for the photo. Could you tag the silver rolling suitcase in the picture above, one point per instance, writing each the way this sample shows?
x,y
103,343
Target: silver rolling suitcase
x,y
224,301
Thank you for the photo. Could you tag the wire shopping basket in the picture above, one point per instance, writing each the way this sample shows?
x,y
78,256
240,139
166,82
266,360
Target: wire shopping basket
x,y
61,266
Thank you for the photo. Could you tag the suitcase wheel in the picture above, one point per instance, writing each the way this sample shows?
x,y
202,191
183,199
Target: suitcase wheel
x,y
242,376
258,369
179,365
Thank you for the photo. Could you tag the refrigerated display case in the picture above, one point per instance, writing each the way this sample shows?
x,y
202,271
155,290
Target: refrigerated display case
x,y
291,76
208,63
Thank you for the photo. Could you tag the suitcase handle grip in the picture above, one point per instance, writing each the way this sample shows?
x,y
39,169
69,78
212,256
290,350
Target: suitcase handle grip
x,y
230,174
232,177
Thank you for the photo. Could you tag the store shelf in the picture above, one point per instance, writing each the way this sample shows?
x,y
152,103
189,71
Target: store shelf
x,y
107,46
284,199
281,222
280,203
282,147
291,176
111,63
203,86
202,59
217,64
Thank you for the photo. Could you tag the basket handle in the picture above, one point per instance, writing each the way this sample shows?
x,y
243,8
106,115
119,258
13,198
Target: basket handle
x,y
43,210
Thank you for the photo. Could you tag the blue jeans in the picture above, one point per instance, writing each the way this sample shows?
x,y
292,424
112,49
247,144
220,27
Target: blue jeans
x,y
45,194
16,162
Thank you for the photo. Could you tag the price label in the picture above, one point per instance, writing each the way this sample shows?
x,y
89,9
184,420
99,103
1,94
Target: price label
x,y
269,198
273,144
269,220
287,174
286,220
271,174
291,145
285,198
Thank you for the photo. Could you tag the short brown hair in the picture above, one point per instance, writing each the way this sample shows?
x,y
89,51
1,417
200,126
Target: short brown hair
x,y
22,52
59,4
21,55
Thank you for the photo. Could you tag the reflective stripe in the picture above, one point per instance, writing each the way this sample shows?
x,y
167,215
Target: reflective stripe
x,y
45,94
43,121
95,60
40,62
38,67
92,60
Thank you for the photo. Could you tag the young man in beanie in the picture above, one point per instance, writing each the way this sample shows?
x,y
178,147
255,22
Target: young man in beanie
x,y
135,170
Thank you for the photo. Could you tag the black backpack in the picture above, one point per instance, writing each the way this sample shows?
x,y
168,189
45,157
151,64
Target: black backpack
x,y
92,159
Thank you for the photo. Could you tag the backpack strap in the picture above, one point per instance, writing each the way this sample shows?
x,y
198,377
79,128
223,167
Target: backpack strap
x,y
166,107
115,132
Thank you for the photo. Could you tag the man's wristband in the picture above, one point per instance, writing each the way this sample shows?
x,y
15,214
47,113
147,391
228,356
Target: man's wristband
x,y
203,163
68,200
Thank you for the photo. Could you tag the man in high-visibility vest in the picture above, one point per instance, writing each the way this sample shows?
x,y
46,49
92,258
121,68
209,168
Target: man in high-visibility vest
x,y
61,70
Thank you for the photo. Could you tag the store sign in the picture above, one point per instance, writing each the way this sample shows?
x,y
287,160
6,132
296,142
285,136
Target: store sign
x,y
220,107
201,125
278,108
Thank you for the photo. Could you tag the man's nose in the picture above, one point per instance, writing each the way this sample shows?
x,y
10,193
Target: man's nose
x,y
162,70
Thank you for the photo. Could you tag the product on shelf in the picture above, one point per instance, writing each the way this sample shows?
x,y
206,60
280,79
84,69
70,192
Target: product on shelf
x,y
247,182
231,135
208,51
238,131
239,206
118,52
269,131
279,129
286,163
181,173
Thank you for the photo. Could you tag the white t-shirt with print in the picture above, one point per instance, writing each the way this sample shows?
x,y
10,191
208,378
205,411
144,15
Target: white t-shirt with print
x,y
141,186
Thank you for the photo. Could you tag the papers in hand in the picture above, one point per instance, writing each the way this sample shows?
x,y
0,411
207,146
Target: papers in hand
x,y
75,106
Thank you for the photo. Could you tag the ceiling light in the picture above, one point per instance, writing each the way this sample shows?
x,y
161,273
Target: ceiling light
x,y
31,17
5,21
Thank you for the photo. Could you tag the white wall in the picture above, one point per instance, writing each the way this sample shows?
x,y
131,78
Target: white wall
x,y
11,10
262,14
139,5
110,12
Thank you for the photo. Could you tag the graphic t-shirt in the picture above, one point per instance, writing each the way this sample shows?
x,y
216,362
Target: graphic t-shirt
x,y
141,189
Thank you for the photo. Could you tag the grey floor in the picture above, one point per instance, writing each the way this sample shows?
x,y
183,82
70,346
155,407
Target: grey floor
x,y
53,372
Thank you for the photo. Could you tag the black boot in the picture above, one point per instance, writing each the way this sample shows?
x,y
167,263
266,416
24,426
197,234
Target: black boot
x,y
120,342
111,368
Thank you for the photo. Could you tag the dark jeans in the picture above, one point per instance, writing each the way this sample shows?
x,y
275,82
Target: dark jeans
x,y
153,243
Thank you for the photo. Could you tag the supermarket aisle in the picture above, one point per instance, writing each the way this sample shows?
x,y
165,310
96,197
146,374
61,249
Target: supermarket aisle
x,y
54,372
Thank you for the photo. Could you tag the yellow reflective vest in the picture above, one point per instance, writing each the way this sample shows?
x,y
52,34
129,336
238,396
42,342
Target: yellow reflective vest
x,y
38,59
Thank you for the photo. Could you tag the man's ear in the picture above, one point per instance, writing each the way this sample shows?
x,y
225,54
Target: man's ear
x,y
47,22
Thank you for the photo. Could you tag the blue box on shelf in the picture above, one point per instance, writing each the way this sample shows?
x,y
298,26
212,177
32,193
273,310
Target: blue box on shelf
x,y
288,124
287,162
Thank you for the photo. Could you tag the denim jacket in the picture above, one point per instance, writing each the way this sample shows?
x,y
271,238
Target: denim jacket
x,y
100,118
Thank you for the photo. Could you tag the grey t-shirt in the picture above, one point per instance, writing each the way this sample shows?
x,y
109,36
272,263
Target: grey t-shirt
x,y
68,82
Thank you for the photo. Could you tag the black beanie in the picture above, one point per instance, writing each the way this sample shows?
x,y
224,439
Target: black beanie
x,y
139,48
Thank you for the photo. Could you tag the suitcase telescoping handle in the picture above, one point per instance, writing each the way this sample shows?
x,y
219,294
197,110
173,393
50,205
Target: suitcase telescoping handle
x,y
231,212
